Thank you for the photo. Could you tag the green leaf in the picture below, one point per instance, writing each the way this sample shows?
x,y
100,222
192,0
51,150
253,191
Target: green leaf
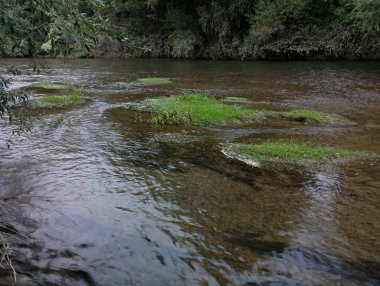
x,y
47,46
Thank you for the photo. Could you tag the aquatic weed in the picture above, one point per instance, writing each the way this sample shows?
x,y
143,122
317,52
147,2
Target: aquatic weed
x,y
192,109
313,116
58,100
291,151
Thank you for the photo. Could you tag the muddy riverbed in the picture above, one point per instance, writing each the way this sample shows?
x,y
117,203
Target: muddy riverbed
x,y
101,199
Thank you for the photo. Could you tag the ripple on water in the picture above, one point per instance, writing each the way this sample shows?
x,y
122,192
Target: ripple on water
x,y
103,202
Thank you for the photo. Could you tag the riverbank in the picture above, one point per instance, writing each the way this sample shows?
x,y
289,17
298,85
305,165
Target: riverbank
x,y
315,49
343,46
240,30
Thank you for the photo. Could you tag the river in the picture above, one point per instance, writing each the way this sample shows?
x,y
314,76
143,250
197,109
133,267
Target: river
x,y
98,200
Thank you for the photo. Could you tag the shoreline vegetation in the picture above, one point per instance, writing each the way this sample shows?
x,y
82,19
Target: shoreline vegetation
x,y
228,29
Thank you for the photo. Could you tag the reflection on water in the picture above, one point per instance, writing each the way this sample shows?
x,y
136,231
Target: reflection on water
x,y
101,201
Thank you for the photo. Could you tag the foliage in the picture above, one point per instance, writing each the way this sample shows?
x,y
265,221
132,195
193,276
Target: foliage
x,y
303,28
267,29
252,29
11,103
38,27
59,27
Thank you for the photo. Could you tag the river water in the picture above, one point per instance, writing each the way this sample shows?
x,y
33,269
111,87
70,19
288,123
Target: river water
x,y
98,200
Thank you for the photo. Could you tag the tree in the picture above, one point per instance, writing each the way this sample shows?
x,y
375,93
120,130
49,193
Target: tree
x,y
35,27
56,27
11,102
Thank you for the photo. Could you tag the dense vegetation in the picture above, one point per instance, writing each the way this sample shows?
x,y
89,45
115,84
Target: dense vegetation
x,y
252,29
54,27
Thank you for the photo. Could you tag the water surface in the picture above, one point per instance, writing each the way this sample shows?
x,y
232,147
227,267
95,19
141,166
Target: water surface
x,y
99,200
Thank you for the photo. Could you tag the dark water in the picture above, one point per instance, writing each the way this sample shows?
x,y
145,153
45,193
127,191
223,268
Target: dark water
x,y
99,200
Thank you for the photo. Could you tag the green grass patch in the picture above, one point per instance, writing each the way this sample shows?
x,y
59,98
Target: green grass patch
x,y
292,152
201,109
236,99
53,85
155,80
58,100
193,109
313,116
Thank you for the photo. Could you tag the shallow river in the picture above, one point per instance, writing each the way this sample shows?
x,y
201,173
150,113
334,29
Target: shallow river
x,y
99,200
